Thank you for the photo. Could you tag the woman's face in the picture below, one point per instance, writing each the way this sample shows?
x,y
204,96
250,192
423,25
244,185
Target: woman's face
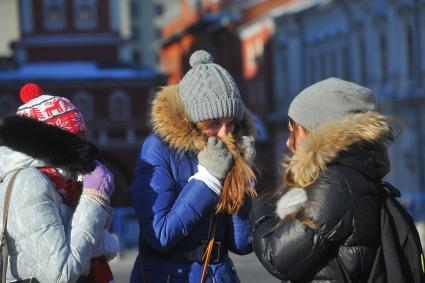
x,y
296,134
220,127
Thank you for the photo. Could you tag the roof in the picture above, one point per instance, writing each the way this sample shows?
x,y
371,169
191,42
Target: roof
x,y
69,71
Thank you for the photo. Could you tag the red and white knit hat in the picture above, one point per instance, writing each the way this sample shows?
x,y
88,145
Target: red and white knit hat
x,y
54,110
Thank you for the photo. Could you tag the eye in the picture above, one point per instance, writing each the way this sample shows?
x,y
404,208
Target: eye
x,y
215,124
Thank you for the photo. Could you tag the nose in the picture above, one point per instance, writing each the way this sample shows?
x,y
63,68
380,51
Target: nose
x,y
223,130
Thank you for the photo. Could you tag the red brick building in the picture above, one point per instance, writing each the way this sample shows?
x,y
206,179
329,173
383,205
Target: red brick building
x,y
74,49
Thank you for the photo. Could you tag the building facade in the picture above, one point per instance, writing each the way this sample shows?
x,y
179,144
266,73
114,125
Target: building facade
x,y
76,49
378,44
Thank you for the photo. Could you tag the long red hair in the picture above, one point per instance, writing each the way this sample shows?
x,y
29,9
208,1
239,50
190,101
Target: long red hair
x,y
238,182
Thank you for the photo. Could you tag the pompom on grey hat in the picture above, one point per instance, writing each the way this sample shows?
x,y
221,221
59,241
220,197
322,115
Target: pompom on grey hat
x,y
332,99
208,91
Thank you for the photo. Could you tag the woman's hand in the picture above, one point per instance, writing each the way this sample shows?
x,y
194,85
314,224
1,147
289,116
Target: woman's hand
x,y
99,183
247,144
216,158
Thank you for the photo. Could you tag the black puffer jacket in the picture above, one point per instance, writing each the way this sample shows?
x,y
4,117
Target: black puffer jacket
x,y
339,167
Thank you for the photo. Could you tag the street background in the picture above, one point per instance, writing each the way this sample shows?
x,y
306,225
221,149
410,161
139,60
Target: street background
x,y
110,58
247,267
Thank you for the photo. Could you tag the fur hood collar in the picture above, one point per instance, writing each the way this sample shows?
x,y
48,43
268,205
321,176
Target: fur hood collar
x,y
26,142
326,145
170,121
323,145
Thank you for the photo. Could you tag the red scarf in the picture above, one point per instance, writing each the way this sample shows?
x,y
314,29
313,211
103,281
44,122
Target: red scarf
x,y
68,189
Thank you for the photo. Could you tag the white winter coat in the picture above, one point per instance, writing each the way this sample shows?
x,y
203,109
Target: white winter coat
x,y
45,239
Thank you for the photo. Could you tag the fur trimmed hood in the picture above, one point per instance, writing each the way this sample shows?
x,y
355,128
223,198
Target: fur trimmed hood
x,y
26,142
170,121
323,145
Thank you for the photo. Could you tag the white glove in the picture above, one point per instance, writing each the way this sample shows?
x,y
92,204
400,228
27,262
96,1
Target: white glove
x,y
107,245
292,201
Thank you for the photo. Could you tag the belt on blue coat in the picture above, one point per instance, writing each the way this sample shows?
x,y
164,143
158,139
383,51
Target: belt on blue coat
x,y
194,254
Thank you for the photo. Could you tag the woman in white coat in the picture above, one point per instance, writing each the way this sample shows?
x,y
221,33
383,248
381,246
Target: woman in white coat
x,y
54,228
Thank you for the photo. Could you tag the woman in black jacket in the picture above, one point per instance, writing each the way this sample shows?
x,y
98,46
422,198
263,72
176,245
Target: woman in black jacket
x,y
326,211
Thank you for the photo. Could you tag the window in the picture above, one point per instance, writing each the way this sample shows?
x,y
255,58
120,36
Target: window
x,y
85,14
284,67
54,14
322,65
345,68
312,69
409,51
134,9
8,105
84,102
119,106
333,61
383,56
159,10
135,32
362,61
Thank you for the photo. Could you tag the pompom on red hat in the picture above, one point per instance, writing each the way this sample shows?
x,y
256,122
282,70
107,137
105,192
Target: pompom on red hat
x,y
53,110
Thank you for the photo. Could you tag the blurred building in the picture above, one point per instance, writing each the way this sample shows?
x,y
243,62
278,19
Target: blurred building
x,y
10,27
276,48
379,44
147,19
77,49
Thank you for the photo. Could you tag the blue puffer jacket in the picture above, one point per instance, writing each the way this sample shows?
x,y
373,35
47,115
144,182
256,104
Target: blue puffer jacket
x,y
173,211
175,214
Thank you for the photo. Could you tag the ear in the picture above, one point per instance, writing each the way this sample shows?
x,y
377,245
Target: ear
x,y
292,201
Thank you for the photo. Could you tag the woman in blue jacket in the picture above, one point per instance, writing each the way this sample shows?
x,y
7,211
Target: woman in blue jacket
x,y
195,165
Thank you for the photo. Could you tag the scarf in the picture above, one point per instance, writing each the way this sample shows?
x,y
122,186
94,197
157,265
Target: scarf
x,y
70,192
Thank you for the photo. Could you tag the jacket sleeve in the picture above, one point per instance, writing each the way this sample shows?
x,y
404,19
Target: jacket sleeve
x,y
166,216
239,239
291,250
54,251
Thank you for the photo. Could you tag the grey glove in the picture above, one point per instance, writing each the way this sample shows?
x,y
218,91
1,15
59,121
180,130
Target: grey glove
x,y
248,148
215,158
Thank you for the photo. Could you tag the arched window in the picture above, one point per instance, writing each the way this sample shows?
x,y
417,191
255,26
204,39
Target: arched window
x,y
409,51
84,102
362,60
119,105
8,104
383,49
284,68
85,14
54,14
381,25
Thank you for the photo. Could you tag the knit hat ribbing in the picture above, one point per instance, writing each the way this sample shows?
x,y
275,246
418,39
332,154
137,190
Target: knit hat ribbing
x,y
54,110
330,100
208,91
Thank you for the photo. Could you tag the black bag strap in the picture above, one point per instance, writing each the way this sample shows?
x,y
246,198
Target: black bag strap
x,y
3,242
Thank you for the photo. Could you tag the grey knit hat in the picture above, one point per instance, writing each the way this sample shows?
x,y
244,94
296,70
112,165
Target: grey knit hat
x,y
208,91
330,100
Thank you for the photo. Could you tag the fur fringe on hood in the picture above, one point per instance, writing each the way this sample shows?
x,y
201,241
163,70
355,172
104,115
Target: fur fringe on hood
x,y
321,146
52,145
171,122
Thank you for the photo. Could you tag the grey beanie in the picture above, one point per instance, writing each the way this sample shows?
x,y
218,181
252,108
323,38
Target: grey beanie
x,y
208,91
330,100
